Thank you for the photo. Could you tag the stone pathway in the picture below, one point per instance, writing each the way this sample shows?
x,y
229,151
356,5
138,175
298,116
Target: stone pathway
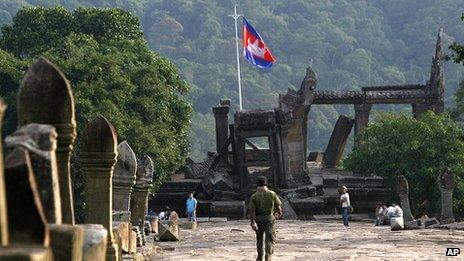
x,y
312,240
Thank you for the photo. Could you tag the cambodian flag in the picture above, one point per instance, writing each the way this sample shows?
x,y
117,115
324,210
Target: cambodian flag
x,y
254,48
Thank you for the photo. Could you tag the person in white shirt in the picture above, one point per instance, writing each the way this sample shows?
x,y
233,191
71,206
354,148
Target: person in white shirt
x,y
398,211
345,201
393,211
390,211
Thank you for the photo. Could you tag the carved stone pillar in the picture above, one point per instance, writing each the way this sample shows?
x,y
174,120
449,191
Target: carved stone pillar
x,y
45,97
40,141
293,147
402,188
361,119
124,177
221,117
26,218
294,135
337,142
98,157
3,207
139,197
447,185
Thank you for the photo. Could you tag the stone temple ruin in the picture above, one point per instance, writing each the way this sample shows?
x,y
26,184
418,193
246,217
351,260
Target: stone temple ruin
x,y
307,183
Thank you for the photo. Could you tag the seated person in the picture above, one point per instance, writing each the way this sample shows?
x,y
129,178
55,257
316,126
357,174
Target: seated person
x,y
164,215
394,211
380,212
398,211
389,212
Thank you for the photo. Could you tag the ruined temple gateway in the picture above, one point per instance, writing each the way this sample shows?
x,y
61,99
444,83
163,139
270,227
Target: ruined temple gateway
x,y
225,180
286,126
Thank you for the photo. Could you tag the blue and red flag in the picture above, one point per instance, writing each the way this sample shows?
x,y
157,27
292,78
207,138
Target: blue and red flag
x,y
254,48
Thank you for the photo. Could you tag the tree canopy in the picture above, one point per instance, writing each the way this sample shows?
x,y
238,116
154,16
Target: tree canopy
x,y
112,72
418,149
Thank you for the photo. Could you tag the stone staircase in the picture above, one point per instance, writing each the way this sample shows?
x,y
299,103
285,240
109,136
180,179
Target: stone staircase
x,y
321,197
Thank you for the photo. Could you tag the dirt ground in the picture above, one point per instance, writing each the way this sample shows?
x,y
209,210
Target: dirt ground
x,y
312,240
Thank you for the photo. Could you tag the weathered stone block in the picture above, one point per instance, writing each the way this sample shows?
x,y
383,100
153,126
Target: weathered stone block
x,y
316,156
168,231
396,223
188,225
26,254
330,181
123,229
95,238
430,221
410,225
254,118
40,141
230,209
216,180
307,207
300,192
26,218
288,212
133,242
117,242
154,226
66,241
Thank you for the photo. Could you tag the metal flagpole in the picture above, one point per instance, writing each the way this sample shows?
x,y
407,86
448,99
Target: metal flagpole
x,y
236,17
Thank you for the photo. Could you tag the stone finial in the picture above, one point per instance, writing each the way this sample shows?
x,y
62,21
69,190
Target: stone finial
x,y
40,141
124,177
145,171
98,156
45,97
25,212
306,92
139,196
3,207
99,137
447,179
126,162
310,79
402,186
435,87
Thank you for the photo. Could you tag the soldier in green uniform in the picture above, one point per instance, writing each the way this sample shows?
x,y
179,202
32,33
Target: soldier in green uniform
x,y
264,208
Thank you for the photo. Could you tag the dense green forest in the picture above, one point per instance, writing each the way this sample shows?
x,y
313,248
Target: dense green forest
x,y
351,43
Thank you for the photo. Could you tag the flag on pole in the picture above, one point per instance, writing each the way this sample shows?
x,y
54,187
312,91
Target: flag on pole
x,y
254,48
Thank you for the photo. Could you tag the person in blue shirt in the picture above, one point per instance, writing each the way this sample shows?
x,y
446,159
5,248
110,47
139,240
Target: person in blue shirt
x,y
191,208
